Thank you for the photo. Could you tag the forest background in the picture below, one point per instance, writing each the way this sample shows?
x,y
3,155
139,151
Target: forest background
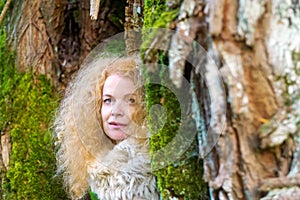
x,y
244,100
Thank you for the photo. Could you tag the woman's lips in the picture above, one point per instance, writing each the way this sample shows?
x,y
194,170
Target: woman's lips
x,y
116,125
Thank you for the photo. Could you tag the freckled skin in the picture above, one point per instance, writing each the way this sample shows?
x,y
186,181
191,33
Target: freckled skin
x,y
118,105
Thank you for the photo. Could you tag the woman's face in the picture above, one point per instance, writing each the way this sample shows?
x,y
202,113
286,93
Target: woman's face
x,y
119,102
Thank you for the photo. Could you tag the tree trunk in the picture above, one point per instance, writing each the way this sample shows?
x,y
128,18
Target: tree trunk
x,y
255,45
254,40
53,38
133,25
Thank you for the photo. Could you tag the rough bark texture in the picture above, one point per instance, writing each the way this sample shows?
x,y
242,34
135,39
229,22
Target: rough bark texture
x,y
256,47
54,37
29,38
173,143
133,25
261,124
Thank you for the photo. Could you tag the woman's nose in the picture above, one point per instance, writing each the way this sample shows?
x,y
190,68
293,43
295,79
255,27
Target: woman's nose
x,y
117,109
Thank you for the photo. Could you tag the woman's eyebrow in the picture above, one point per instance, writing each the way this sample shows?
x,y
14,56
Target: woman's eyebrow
x,y
107,95
126,95
130,94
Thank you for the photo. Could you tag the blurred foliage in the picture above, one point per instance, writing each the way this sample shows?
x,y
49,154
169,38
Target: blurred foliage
x,y
27,105
2,3
115,47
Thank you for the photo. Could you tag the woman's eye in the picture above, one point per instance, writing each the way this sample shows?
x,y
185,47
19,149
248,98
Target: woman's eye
x,y
132,101
107,100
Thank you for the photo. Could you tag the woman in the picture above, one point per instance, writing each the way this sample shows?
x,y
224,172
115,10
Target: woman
x,y
100,132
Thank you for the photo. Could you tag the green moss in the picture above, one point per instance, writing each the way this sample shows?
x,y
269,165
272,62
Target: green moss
x,y
152,10
157,19
157,15
2,3
182,178
27,103
152,28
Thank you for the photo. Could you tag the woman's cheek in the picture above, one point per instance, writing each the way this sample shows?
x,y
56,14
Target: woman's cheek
x,y
131,112
105,111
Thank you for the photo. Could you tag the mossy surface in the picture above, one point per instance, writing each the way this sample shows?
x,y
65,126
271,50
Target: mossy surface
x,y
183,177
27,105
157,19
157,15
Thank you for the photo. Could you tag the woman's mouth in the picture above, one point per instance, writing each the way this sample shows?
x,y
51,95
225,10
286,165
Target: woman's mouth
x,y
116,125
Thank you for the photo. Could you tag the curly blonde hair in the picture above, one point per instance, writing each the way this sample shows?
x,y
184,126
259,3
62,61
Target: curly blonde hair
x,y
78,131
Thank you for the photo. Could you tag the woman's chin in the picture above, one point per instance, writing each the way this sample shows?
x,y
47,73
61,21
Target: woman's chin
x,y
117,135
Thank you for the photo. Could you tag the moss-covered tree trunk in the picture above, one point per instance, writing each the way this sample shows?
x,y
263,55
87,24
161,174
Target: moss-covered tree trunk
x,y
174,146
255,45
48,38
54,37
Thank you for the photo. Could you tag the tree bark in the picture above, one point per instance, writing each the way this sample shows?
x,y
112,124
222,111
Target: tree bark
x,y
54,37
261,124
256,48
3,12
133,25
255,45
